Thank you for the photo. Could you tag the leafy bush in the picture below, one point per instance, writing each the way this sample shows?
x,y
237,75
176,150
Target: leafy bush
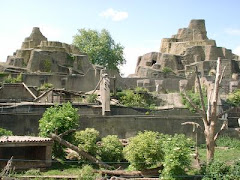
x,y
111,149
4,132
166,70
139,97
10,79
226,141
92,98
87,173
144,150
195,97
87,140
45,86
58,119
177,150
234,98
216,170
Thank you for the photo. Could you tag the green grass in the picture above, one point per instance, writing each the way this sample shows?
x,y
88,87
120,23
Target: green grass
x,y
224,155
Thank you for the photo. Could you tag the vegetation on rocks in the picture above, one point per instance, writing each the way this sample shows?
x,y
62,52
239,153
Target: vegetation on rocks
x,y
139,97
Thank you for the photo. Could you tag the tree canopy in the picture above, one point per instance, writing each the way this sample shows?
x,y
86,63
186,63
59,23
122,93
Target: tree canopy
x,y
100,47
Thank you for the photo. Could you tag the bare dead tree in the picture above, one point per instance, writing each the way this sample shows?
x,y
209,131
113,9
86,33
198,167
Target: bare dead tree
x,y
210,116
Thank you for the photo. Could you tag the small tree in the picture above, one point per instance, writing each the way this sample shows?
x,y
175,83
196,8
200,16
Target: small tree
x,y
58,119
210,115
144,150
111,149
86,140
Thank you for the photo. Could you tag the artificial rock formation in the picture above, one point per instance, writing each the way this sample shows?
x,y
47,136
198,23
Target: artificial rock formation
x,y
190,46
37,54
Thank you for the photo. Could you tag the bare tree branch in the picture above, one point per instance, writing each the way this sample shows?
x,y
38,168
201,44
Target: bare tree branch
x,y
223,71
224,126
200,91
197,109
192,123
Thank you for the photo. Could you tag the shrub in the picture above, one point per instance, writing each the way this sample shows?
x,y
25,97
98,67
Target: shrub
x,y
195,97
226,141
92,98
111,149
234,98
4,132
139,97
10,79
87,173
45,86
216,170
177,150
166,70
58,119
87,139
144,150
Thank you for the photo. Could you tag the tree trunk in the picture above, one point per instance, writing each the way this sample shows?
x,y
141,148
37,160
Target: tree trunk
x,y
81,152
210,141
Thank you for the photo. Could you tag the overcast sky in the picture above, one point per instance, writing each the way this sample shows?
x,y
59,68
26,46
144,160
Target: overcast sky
x,y
139,25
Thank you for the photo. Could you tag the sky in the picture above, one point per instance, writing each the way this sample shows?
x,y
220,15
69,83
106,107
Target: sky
x,y
138,25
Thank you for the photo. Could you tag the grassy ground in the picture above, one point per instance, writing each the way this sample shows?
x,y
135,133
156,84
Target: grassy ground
x,y
224,155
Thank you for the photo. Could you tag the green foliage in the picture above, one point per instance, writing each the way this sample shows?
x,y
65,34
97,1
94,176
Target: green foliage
x,y
58,119
92,98
111,149
166,70
10,79
87,140
47,65
234,98
144,150
100,47
226,141
33,172
220,170
177,150
139,97
45,86
195,98
87,173
4,132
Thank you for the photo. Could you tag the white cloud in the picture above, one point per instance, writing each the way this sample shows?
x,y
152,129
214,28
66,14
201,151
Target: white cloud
x,y
233,31
114,15
237,50
131,56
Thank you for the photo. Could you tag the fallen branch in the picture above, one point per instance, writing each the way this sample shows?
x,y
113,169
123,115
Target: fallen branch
x,y
120,173
133,174
81,152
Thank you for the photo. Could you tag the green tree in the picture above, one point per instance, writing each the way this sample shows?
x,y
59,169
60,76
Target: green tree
x,y
58,119
100,47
